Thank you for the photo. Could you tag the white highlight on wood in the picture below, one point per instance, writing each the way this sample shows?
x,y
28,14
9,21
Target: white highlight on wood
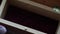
x,y
56,10
20,27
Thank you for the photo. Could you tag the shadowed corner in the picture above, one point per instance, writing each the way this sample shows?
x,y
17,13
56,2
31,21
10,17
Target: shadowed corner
x,y
0,2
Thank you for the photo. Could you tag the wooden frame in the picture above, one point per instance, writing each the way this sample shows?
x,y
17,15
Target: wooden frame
x,y
31,6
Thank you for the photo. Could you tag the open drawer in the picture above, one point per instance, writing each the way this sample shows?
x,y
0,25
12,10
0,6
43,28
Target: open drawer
x,y
30,16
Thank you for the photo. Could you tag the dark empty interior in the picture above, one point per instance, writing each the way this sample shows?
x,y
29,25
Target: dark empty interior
x,y
0,2
12,30
31,20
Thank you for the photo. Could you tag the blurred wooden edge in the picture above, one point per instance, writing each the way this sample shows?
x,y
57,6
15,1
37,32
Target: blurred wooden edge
x,y
58,29
3,8
36,8
21,27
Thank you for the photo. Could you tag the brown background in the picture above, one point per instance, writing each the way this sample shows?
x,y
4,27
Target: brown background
x,y
50,3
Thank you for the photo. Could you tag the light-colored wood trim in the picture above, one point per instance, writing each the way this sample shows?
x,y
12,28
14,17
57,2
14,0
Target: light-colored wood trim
x,y
2,7
21,27
4,10
58,28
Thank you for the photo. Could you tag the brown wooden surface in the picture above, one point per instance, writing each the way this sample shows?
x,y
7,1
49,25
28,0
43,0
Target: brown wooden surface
x,y
49,3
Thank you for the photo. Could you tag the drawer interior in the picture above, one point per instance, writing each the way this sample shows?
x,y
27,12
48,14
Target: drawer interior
x,y
30,19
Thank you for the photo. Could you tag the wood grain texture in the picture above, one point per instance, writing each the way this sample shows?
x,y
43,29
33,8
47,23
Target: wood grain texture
x,y
49,3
